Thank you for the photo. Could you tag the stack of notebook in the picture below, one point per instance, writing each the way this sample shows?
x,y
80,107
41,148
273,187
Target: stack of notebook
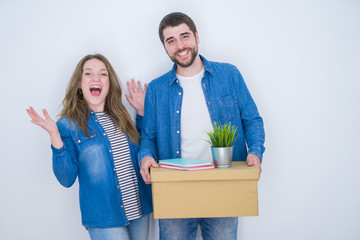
x,y
186,164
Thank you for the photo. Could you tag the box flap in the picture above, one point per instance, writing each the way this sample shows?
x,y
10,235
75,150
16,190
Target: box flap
x,y
238,171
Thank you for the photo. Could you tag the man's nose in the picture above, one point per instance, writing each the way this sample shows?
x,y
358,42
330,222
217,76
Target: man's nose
x,y
179,45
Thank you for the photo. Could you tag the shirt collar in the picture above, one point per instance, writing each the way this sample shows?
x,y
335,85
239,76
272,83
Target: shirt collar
x,y
207,68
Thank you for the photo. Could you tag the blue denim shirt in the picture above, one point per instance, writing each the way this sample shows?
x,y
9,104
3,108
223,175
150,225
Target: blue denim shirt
x,y
227,99
91,160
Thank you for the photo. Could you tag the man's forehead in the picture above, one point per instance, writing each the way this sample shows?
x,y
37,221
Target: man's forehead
x,y
176,30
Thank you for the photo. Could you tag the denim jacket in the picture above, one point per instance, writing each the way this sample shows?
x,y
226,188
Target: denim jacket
x,y
91,160
227,99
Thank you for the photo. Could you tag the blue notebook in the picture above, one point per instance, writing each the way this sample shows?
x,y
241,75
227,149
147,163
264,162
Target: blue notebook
x,y
185,162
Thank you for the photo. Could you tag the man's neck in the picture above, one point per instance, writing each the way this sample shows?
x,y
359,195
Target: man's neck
x,y
192,70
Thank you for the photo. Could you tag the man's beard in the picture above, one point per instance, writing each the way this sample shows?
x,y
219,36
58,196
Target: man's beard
x,y
194,53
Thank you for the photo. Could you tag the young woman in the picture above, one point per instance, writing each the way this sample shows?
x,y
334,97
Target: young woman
x,y
96,141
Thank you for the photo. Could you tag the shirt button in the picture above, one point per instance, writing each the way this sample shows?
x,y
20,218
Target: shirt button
x,y
177,152
95,120
179,93
109,150
118,186
177,111
104,134
177,131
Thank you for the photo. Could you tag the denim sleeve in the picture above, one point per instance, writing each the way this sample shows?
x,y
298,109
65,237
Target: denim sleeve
x,y
138,123
65,164
252,122
148,130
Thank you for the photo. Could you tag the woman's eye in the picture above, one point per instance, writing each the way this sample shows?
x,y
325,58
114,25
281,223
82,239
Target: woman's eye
x,y
87,74
104,74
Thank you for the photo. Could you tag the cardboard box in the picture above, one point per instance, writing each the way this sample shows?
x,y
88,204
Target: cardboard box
x,y
220,192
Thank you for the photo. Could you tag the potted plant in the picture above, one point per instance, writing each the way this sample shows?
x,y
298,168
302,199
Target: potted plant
x,y
222,139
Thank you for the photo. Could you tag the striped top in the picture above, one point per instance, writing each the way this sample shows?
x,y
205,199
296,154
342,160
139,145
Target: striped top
x,y
123,167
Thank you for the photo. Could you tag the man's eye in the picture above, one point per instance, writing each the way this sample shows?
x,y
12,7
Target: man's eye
x,y
170,41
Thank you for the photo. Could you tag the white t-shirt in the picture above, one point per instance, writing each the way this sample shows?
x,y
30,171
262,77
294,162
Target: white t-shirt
x,y
195,119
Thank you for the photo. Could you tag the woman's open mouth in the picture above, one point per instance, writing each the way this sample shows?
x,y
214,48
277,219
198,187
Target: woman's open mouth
x,y
95,91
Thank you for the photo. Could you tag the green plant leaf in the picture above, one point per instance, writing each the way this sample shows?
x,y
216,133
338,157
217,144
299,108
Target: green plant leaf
x,y
223,135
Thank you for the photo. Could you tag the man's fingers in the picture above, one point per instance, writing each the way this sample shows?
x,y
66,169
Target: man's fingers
x,y
145,175
144,171
145,166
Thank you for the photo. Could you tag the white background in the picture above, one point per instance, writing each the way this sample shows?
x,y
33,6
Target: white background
x,y
300,60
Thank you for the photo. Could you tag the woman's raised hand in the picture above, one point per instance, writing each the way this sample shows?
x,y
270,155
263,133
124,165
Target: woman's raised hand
x,y
137,96
48,124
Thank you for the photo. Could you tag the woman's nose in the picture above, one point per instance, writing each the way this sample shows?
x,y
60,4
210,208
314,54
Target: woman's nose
x,y
96,77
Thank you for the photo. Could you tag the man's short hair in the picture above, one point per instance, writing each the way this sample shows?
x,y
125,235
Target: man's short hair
x,y
175,19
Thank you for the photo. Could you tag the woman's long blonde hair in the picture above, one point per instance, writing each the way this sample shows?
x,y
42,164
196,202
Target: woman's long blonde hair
x,y
75,107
